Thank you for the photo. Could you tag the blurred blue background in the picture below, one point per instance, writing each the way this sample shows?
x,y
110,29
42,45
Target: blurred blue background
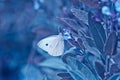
x,y
22,24
25,22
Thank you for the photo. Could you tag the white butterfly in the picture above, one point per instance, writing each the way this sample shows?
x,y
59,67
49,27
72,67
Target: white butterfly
x,y
54,45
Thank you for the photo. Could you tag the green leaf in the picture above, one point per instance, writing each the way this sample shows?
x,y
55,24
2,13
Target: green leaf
x,y
115,77
86,71
54,63
97,31
31,73
80,69
76,76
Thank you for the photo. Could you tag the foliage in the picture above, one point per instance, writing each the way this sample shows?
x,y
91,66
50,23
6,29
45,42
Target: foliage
x,y
92,44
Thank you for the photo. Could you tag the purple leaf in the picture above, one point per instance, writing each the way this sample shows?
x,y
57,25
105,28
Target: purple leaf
x,y
100,69
73,25
80,42
67,55
65,76
74,43
111,44
92,4
80,14
114,69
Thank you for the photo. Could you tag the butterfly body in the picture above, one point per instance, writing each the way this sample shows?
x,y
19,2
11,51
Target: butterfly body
x,y
54,45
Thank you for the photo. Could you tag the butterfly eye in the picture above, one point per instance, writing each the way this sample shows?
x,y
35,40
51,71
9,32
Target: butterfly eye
x,y
46,44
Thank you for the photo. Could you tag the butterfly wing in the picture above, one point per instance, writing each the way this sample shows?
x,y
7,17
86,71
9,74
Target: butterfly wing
x,y
54,45
46,42
58,48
